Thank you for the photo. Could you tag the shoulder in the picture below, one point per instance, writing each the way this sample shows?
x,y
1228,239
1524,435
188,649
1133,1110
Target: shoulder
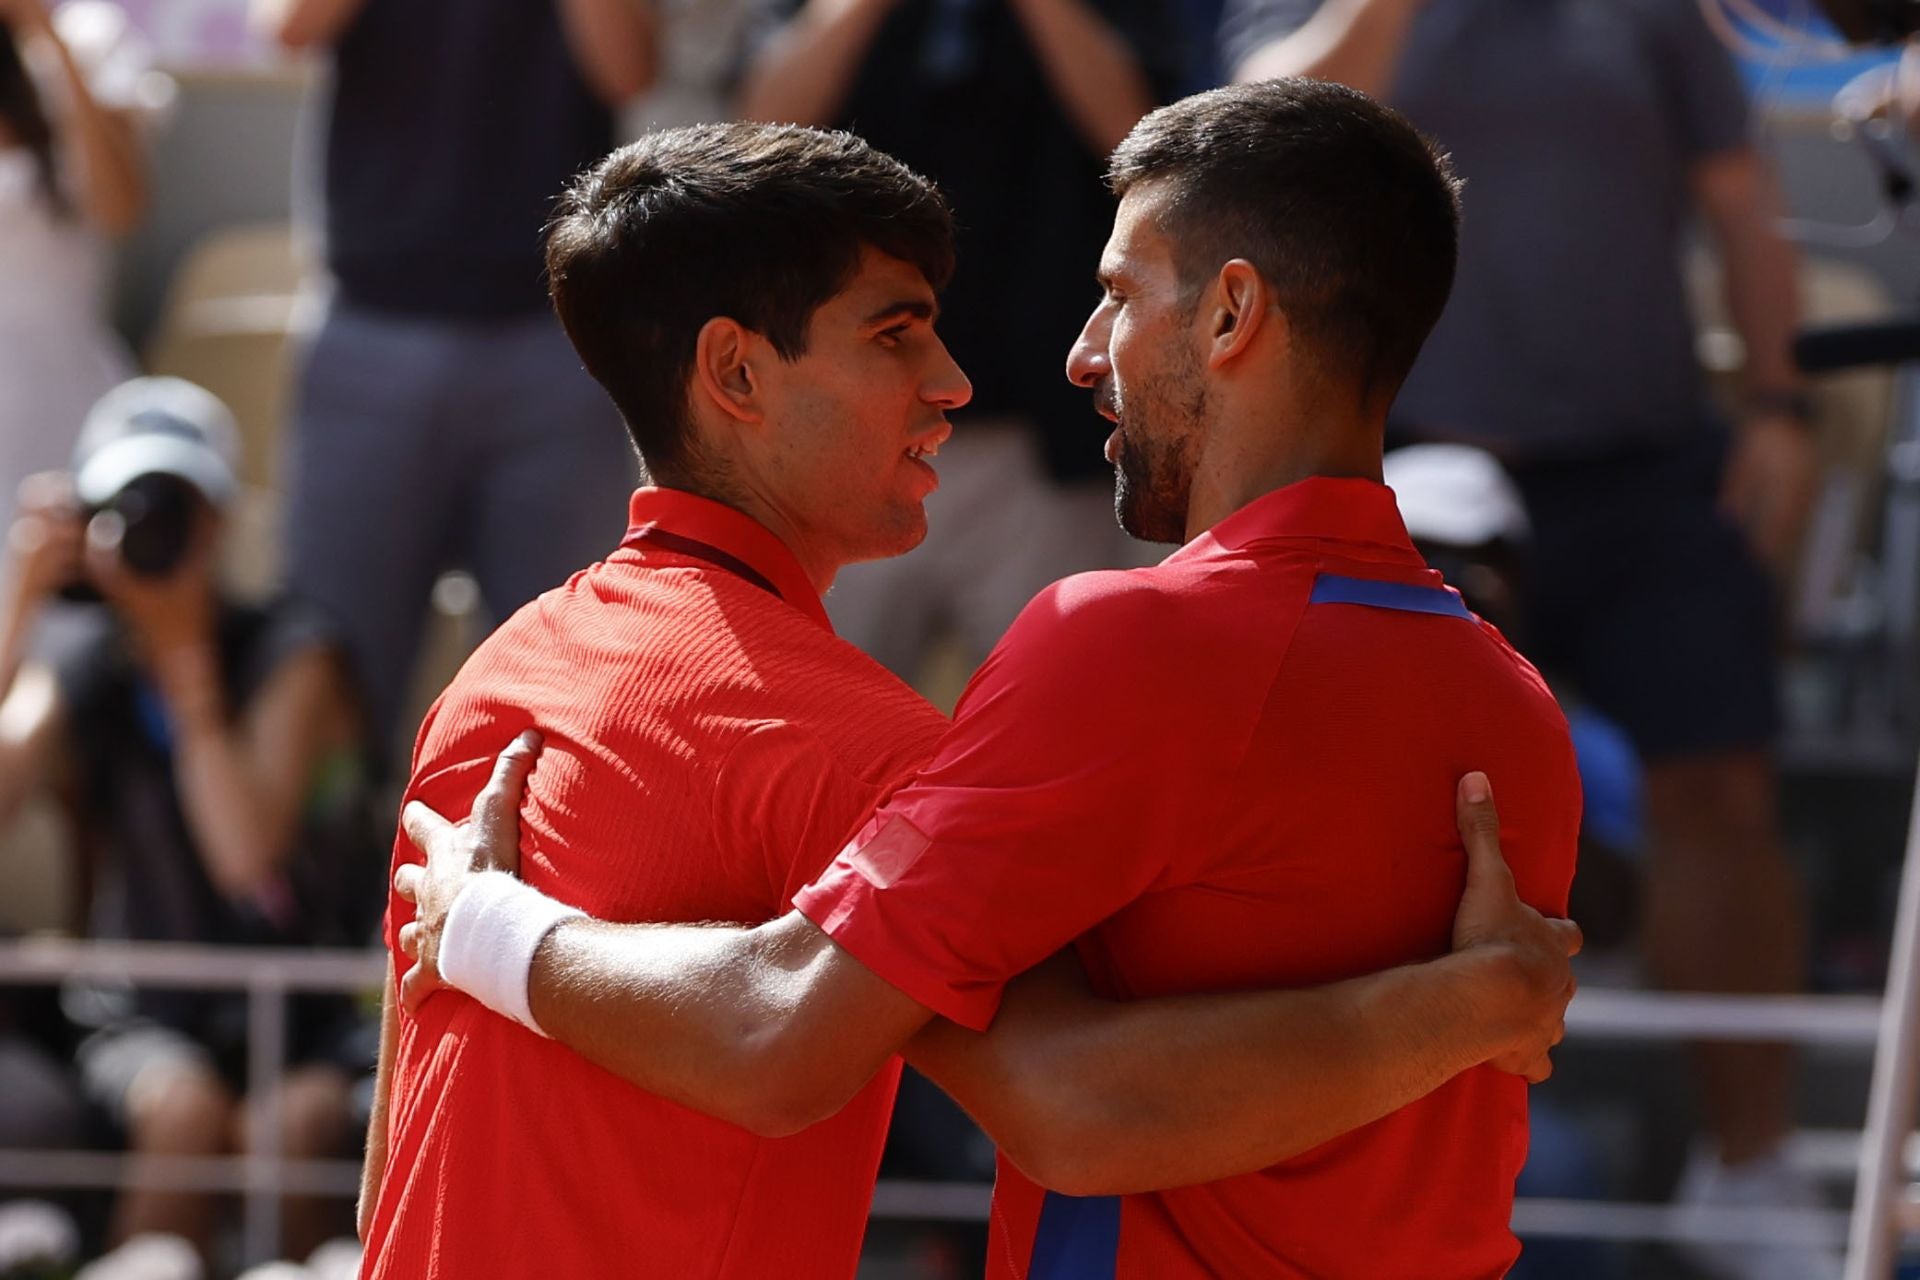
x,y
1104,645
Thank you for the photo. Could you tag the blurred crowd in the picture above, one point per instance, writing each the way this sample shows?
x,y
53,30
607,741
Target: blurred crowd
x,y
222,760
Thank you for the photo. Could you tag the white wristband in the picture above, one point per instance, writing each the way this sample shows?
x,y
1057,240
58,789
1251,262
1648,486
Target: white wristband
x,y
494,926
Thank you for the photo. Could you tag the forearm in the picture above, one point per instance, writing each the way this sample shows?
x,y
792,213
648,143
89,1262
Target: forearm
x,y
114,174
1091,70
1761,270
744,1025
1096,1099
302,24
613,45
805,72
1353,42
375,1167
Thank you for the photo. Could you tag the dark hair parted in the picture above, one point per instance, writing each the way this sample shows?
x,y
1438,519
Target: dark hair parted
x,y
760,223
1349,214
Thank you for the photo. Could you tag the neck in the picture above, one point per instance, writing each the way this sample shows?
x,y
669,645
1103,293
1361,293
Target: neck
x,y
1246,457
734,490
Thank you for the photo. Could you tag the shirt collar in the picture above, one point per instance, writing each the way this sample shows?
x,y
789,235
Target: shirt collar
x,y
731,532
1323,507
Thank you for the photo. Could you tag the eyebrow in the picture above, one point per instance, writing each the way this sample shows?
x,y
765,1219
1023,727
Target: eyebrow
x,y
905,308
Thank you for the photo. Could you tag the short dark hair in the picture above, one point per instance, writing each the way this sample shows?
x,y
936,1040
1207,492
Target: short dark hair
x,y
758,222
1343,207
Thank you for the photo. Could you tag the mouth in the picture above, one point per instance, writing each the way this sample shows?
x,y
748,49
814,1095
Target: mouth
x,y
928,446
1112,451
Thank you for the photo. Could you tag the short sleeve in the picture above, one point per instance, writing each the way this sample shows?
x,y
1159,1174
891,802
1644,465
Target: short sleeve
x,y
1247,26
783,804
1699,79
1067,787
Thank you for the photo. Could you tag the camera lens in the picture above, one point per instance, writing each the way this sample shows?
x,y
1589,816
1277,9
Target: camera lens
x,y
157,514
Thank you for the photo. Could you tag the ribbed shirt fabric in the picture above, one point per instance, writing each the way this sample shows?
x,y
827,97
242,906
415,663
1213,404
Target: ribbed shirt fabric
x,y
1235,769
699,729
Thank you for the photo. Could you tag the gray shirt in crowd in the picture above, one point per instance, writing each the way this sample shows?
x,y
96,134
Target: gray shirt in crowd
x,y
1575,124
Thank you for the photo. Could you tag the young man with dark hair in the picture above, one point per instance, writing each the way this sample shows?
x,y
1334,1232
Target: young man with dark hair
x,y
1224,772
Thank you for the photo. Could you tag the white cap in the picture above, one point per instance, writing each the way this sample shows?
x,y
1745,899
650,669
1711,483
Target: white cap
x,y
149,425
1456,495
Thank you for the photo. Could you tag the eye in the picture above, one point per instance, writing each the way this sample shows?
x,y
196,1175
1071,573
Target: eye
x,y
892,337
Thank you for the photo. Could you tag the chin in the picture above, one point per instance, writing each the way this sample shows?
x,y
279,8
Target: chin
x,y
898,538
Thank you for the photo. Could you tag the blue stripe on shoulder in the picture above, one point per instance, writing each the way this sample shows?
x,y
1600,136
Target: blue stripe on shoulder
x,y
1332,588
1078,1239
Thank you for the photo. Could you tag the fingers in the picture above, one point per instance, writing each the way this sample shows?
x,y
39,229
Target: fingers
x,y
416,985
410,940
498,806
406,880
423,827
1479,824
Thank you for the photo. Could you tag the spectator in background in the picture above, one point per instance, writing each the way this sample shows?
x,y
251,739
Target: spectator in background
x,y
215,751
698,43
1011,107
1587,134
72,84
442,419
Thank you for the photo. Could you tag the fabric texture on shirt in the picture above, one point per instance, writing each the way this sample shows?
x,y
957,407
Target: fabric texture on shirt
x,y
1575,125
708,745
1213,784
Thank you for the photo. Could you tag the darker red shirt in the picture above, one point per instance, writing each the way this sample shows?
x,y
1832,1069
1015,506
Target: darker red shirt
x,y
1233,770
702,724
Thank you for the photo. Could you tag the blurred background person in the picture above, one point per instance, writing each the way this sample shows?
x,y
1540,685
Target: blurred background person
x,y
72,85
1011,106
1587,135
442,420
698,49
214,749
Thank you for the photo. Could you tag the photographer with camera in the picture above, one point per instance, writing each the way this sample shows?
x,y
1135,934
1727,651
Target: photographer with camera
x,y
215,748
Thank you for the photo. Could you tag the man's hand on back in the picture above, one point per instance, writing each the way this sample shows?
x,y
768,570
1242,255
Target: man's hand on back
x,y
1536,977
488,840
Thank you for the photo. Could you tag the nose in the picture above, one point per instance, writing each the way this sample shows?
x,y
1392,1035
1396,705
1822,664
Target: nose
x,y
1087,360
947,385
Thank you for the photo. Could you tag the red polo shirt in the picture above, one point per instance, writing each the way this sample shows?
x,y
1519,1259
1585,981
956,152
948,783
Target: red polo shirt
x,y
702,724
1233,770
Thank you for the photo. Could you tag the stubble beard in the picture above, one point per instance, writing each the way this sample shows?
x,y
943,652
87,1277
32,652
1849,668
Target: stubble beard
x,y
1153,478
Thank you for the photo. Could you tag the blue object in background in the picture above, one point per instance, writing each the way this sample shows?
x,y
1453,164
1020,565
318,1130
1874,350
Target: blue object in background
x,y
1794,80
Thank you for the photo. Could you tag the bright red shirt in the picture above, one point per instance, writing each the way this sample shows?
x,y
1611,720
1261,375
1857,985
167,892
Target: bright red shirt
x,y
1232,770
702,724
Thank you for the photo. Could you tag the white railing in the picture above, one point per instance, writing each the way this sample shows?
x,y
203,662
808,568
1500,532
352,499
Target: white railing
x,y
269,976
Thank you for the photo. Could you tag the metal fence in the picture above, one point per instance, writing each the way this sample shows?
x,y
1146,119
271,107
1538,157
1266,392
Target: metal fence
x,y
263,1175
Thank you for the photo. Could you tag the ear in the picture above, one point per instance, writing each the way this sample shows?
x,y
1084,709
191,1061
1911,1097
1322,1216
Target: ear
x,y
723,373
1240,306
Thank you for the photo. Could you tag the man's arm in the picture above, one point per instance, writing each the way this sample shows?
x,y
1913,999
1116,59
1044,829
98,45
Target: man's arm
x,y
775,1028
613,44
1770,478
1091,69
803,73
1095,1098
375,1167
1354,42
